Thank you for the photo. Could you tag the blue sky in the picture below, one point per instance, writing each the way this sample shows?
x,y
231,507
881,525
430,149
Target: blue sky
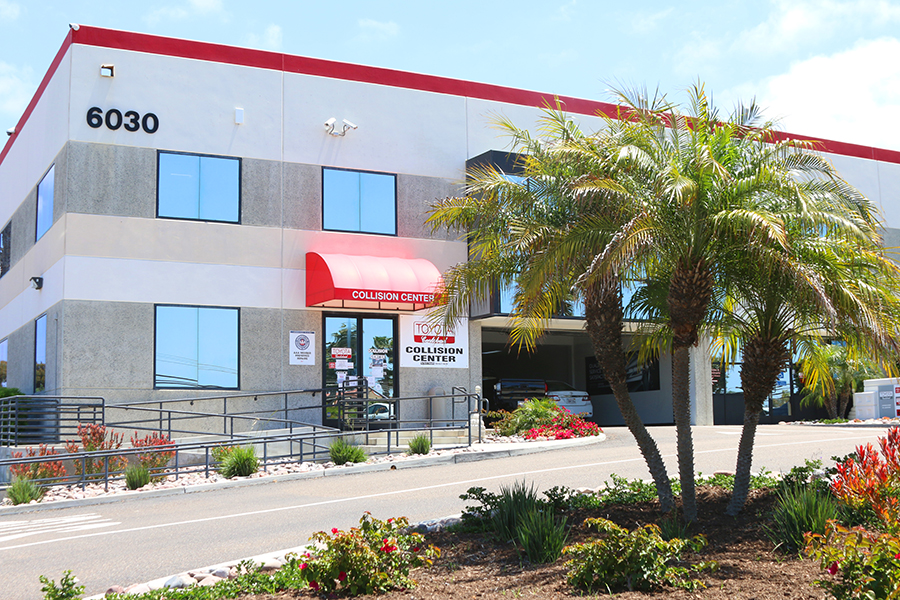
x,y
826,68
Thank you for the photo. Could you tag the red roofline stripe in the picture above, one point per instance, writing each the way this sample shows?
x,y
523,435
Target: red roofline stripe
x,y
166,46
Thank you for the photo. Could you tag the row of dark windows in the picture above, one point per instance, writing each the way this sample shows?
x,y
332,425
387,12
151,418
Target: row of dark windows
x,y
208,188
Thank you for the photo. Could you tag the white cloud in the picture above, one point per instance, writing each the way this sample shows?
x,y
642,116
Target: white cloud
x,y
377,31
564,12
178,13
16,90
794,24
699,55
9,11
851,96
269,40
644,23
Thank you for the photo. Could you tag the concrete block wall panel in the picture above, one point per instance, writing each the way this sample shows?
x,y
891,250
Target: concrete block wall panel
x,y
302,196
889,186
24,224
20,358
416,382
301,377
60,188
107,346
104,179
890,237
261,349
35,147
400,130
195,102
415,194
261,192
475,357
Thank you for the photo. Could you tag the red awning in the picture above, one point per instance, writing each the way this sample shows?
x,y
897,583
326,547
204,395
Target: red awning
x,y
345,281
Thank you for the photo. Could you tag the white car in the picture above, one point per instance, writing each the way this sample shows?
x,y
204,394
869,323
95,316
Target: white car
x,y
575,401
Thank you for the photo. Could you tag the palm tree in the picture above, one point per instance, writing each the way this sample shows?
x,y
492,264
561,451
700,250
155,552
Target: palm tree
x,y
548,235
829,277
700,184
831,373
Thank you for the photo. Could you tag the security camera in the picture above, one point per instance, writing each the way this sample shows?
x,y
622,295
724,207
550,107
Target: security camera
x,y
330,122
349,124
10,131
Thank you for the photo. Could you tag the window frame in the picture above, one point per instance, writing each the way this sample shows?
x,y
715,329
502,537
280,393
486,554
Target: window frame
x,y
240,176
359,230
38,234
156,308
4,357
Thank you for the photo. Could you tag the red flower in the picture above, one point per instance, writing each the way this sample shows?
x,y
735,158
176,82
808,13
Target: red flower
x,y
334,530
314,585
342,576
832,568
415,549
303,566
897,555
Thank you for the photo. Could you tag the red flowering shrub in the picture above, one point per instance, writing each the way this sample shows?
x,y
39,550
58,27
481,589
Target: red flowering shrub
x,y
564,426
374,558
42,470
865,563
162,450
94,438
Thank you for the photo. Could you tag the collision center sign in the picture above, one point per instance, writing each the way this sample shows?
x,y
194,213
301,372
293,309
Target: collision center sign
x,y
425,344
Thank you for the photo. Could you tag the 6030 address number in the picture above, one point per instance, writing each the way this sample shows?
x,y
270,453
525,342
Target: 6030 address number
x,y
114,119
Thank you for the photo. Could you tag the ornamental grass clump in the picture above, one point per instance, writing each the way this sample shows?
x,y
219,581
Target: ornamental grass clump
x,y
136,476
420,444
542,535
240,462
374,558
343,452
511,508
800,509
23,490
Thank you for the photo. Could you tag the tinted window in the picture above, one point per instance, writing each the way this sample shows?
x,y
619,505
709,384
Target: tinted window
x,y
199,187
40,353
196,347
45,204
356,201
4,345
559,386
5,248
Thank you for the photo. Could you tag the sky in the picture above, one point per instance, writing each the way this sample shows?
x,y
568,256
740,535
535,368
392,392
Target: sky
x,y
824,68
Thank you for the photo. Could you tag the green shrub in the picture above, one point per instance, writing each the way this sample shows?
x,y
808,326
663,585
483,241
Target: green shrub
x,y
864,564
563,499
512,505
478,517
136,476
240,462
542,536
219,453
799,509
374,558
343,452
23,490
67,590
624,491
630,560
419,444
532,413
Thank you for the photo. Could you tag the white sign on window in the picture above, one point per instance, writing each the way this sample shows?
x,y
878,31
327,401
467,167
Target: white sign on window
x,y
302,348
425,344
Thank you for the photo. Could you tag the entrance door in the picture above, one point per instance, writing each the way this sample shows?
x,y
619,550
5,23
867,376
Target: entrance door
x,y
358,347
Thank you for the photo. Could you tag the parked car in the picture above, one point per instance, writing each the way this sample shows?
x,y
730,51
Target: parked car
x,y
575,401
510,393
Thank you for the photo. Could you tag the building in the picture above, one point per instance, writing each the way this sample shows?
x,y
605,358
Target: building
x,y
180,216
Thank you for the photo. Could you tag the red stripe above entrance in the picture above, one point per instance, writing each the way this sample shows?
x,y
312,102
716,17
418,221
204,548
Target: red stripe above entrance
x,y
342,280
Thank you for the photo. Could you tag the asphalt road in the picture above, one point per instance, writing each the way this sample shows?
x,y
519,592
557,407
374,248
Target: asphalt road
x,y
140,539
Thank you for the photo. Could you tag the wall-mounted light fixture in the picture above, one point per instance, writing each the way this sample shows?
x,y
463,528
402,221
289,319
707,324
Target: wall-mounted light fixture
x,y
107,70
329,127
11,131
37,282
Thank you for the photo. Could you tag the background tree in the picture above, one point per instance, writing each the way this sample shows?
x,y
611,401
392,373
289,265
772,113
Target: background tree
x,y
832,373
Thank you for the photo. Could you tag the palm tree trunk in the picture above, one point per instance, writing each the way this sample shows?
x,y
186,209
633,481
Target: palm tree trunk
x,y
764,359
681,408
744,463
603,312
843,402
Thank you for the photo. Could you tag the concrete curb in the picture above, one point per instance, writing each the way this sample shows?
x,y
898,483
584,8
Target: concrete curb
x,y
511,449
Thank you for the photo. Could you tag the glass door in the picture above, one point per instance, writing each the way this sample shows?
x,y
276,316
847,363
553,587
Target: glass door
x,y
358,348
